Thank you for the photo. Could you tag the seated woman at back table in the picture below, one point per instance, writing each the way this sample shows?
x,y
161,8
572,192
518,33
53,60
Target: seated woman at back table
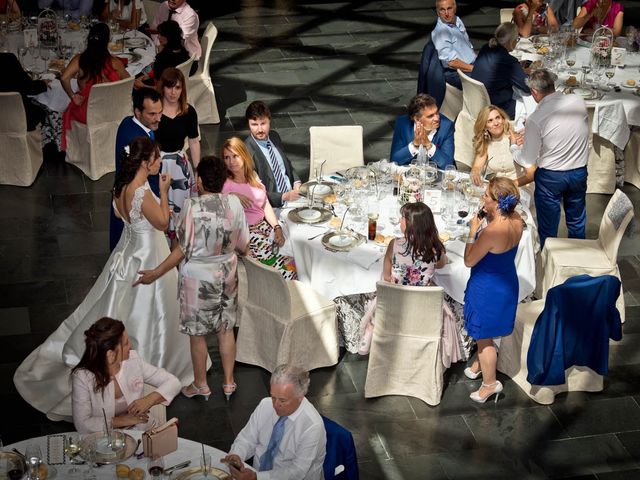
x,y
110,379
94,65
265,232
129,13
533,17
10,8
500,71
496,147
595,13
409,260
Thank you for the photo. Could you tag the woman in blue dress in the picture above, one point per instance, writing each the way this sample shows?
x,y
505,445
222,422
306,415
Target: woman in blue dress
x,y
491,296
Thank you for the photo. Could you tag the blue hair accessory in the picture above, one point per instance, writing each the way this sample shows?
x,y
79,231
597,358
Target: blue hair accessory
x,y
507,203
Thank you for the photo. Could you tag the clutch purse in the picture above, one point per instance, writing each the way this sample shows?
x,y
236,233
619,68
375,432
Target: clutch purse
x,y
160,441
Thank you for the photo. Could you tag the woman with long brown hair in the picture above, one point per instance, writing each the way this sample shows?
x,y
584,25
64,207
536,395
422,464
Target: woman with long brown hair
x,y
110,378
265,232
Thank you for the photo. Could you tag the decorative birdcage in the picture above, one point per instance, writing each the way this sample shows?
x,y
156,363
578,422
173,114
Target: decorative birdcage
x,y
601,45
411,186
48,28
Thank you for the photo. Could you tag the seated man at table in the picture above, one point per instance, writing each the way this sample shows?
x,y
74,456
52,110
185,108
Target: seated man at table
x,y
423,125
285,434
271,163
452,42
15,79
75,8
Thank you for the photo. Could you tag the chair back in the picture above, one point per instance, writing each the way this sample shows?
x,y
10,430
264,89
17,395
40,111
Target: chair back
x,y
617,216
506,15
150,8
340,146
13,119
206,43
185,67
452,103
431,78
474,95
110,102
275,298
340,461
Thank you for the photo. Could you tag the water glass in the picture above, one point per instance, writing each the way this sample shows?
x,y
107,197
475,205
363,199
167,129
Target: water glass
x,y
155,467
72,448
430,173
33,455
205,463
570,60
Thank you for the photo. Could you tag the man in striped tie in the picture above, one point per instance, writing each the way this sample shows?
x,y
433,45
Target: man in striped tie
x,y
271,163
285,434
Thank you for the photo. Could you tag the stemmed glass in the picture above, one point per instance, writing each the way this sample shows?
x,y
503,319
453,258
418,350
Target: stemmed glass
x,y
586,68
394,219
89,447
430,173
34,459
610,72
72,448
570,60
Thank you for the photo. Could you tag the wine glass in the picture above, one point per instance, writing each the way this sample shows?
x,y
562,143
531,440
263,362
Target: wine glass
x,y
89,447
431,173
394,219
570,60
610,72
72,448
33,455
586,68
155,466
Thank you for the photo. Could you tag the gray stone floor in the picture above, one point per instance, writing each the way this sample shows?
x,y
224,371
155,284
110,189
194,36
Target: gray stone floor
x,y
322,63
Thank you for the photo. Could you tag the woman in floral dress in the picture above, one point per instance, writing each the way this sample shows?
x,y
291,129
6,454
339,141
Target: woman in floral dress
x,y
210,231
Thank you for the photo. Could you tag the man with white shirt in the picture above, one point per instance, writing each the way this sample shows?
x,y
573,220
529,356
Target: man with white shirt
x,y
182,13
285,434
452,42
269,159
556,140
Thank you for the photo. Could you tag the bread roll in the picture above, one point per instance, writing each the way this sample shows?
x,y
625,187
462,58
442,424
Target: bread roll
x,y
122,470
136,474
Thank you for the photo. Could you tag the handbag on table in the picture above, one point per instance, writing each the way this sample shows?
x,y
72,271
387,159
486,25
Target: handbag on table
x,y
162,440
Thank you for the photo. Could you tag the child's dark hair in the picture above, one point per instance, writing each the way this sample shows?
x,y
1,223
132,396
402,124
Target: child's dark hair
x,y
421,233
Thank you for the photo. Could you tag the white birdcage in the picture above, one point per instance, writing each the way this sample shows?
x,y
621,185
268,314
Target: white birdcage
x,y
601,45
48,28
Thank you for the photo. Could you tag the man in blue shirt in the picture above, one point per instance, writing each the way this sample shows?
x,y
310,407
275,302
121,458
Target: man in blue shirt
x,y
452,42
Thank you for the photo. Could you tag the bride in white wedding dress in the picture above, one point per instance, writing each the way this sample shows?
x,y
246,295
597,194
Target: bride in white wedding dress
x,y
149,312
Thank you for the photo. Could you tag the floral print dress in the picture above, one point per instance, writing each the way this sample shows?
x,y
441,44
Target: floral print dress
x,y
209,230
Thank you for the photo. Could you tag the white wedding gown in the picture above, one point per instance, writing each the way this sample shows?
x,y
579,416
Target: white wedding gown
x,y
149,312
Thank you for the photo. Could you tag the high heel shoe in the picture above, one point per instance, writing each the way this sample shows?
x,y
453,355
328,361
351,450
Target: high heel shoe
x,y
204,391
475,396
471,374
229,389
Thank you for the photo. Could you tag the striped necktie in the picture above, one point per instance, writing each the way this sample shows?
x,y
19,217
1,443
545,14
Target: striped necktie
x,y
281,183
266,460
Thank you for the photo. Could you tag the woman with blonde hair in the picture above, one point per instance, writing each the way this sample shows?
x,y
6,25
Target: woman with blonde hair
x,y
497,148
491,296
265,232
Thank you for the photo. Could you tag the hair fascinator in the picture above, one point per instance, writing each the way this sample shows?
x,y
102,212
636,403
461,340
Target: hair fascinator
x,y
127,150
507,203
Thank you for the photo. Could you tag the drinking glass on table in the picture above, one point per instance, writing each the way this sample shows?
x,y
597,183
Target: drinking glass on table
x,y
570,60
72,448
89,453
155,466
205,463
586,68
610,72
394,219
33,456
430,173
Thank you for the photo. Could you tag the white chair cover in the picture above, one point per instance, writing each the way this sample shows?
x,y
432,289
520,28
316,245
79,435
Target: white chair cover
x,y
632,159
199,86
340,146
150,8
286,322
506,15
90,147
406,350
474,95
452,103
602,162
21,152
474,99
185,68
512,360
563,258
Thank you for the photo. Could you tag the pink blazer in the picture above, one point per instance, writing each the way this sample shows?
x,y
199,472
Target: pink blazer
x,y
87,405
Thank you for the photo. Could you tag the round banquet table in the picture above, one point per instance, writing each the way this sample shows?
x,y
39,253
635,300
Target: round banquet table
x,y
336,274
187,450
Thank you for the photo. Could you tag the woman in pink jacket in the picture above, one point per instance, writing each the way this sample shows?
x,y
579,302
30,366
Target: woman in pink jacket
x,y
111,376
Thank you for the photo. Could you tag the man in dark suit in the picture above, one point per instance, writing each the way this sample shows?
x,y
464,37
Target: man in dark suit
x,y
271,163
423,125
15,79
147,111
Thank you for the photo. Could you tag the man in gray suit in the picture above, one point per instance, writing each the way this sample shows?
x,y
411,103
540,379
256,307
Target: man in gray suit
x,y
273,167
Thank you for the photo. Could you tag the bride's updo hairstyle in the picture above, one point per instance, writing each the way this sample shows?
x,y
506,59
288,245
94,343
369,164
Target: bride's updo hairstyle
x,y
139,150
102,336
212,172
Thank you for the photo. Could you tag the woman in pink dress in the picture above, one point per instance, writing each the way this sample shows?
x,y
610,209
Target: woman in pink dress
x,y
94,65
594,13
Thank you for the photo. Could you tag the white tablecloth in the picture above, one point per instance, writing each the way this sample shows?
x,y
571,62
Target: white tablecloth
x,y
187,450
345,273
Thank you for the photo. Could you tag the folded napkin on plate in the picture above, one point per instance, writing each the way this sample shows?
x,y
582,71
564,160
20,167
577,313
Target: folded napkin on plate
x,y
455,246
363,255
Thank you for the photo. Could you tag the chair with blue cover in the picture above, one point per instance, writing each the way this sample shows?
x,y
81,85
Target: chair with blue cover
x,y
561,343
341,460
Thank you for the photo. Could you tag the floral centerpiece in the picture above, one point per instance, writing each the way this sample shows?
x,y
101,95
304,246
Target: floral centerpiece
x,y
411,186
601,45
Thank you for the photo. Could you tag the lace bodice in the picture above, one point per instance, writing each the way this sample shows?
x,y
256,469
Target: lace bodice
x,y
136,217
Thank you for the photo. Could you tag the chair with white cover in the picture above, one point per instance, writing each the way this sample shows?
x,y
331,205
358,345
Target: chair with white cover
x,y
632,158
406,349
506,15
452,103
559,336
21,156
90,146
285,322
340,146
200,91
563,258
185,67
150,8
474,98
602,161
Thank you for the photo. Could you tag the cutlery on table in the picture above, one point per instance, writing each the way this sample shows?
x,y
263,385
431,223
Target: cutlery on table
x,y
177,467
316,236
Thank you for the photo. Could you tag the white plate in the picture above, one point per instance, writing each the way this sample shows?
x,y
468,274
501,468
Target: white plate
x,y
320,189
48,76
309,214
341,240
624,85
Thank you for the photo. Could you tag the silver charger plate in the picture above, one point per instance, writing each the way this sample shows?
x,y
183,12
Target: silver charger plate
x,y
131,57
584,93
197,473
342,240
112,457
135,42
320,189
325,215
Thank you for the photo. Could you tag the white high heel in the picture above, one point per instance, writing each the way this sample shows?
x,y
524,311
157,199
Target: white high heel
x,y
475,396
471,374
204,391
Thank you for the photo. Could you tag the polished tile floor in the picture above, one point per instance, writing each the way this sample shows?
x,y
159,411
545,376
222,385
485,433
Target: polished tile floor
x,y
322,63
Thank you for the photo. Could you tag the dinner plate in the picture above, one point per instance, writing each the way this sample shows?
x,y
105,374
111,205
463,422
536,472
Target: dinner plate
x,y
104,454
304,215
319,189
131,57
135,42
342,241
196,473
585,93
624,85
309,214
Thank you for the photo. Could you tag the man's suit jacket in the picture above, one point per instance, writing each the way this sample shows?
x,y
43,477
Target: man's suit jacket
x,y
15,79
263,168
403,135
127,131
